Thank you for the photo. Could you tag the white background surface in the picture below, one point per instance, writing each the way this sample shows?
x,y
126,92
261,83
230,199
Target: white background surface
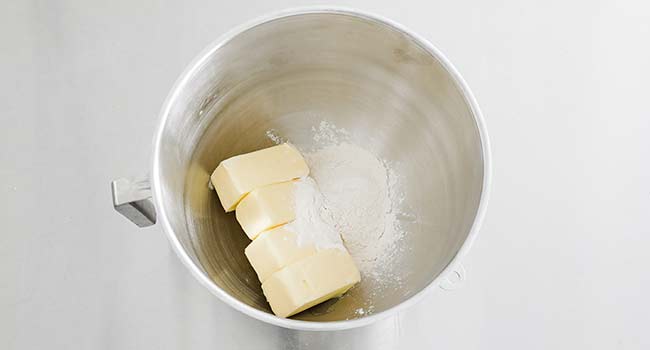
x,y
562,259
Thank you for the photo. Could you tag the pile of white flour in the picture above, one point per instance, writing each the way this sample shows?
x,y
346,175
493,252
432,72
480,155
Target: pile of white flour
x,y
355,187
351,194
314,222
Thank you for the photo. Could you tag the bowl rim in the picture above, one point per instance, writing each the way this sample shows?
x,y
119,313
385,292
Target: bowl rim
x,y
198,61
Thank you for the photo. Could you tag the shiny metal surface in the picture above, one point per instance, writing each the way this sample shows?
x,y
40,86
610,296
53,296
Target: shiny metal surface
x,y
132,198
394,93
561,260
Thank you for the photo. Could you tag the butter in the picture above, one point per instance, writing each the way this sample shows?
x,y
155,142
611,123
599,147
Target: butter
x,y
300,264
237,176
310,281
266,207
274,249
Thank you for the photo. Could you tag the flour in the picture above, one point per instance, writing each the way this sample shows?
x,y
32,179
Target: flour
x,y
273,136
328,134
314,222
352,195
358,190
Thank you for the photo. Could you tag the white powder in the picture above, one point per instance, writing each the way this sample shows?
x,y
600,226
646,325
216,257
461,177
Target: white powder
x,y
314,222
273,136
351,194
328,134
358,191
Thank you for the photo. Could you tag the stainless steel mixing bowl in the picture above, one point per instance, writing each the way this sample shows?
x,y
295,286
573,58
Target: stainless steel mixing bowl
x,y
392,90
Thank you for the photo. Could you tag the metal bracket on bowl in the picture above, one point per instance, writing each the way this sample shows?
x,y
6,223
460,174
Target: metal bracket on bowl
x,y
454,279
132,198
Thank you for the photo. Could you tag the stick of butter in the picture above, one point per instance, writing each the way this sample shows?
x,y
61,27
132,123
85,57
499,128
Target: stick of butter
x,y
266,207
310,281
237,176
274,249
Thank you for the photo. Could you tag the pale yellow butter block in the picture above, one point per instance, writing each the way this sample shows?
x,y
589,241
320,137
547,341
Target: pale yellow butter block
x,y
310,281
274,249
266,207
236,176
